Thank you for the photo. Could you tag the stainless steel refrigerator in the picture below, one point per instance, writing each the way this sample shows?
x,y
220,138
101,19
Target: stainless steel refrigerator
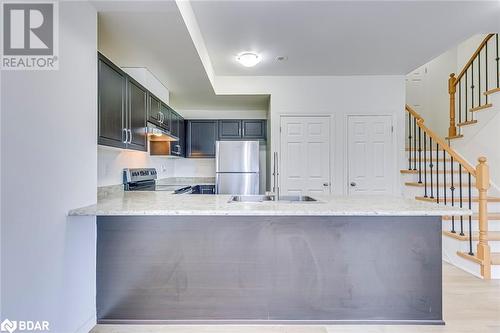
x,y
237,167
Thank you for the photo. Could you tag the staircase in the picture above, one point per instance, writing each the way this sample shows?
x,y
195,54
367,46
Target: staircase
x,y
438,174
471,91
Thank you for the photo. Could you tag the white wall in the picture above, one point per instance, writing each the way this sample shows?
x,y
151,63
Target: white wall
x,y
482,140
335,96
431,93
225,114
49,164
149,81
112,161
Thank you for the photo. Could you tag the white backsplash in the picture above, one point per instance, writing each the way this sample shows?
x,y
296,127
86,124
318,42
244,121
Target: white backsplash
x,y
194,167
112,161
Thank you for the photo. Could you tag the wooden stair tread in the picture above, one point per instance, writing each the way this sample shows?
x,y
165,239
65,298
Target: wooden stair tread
x,y
491,217
491,91
433,171
409,171
412,149
454,137
482,107
448,199
466,123
495,257
433,160
448,185
492,235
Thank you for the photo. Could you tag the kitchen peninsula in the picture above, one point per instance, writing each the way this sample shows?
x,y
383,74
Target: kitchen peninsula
x,y
172,258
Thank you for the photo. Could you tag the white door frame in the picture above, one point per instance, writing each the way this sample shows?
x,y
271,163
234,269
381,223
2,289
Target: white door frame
x,y
346,150
330,143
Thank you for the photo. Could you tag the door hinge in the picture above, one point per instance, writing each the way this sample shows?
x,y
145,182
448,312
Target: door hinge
x,y
392,129
280,129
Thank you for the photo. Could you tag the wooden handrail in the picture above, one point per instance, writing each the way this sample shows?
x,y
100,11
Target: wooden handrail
x,y
454,81
459,159
473,57
481,174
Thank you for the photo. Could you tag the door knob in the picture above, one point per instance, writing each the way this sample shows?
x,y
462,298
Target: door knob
x,y
326,184
353,184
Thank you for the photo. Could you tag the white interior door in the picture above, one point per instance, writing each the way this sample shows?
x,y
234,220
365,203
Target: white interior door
x,y
305,155
370,155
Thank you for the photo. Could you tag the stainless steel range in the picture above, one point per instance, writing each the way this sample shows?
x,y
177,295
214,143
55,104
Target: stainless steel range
x,y
145,179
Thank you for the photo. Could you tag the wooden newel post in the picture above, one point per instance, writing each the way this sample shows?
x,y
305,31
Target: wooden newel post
x,y
482,185
452,131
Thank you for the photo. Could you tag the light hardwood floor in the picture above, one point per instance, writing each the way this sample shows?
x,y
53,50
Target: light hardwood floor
x,y
470,306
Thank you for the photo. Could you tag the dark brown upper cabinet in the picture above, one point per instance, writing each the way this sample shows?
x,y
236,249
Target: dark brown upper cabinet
x,y
136,115
201,136
154,112
122,108
229,129
235,129
254,129
111,96
166,117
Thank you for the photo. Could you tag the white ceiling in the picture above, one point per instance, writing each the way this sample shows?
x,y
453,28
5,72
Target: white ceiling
x,y
338,37
152,34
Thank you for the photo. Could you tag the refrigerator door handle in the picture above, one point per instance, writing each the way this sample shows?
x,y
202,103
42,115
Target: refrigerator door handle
x,y
276,186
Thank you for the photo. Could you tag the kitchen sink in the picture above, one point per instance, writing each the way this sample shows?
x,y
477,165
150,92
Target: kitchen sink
x,y
295,198
264,198
251,198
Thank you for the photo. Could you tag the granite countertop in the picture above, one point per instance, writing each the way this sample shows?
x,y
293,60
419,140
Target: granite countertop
x,y
165,203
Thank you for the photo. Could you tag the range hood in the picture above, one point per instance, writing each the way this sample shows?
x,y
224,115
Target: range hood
x,y
156,133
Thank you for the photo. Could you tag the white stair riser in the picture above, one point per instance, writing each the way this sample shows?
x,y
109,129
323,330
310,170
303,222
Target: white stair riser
x,y
419,191
450,248
411,177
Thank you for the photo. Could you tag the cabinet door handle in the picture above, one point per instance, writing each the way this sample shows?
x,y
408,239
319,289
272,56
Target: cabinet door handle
x,y
126,135
130,138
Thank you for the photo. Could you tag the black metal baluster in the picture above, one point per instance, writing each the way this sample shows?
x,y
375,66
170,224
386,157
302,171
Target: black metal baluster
x,y
466,95
452,189
409,141
414,143
470,217
425,165
460,105
437,172
419,155
479,78
461,202
497,60
472,84
486,69
444,175
431,166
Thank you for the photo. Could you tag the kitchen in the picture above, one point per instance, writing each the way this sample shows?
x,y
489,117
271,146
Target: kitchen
x,y
159,180
235,245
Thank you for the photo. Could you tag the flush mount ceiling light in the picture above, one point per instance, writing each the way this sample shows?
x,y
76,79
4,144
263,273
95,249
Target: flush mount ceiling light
x,y
248,59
